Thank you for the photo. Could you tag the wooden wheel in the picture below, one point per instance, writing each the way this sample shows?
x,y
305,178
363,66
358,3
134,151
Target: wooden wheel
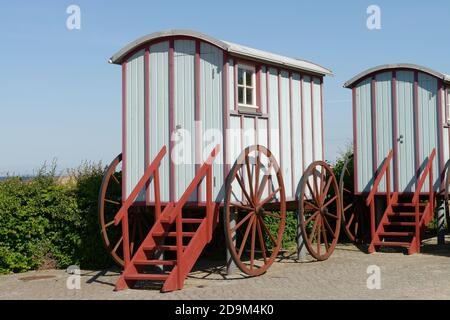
x,y
255,210
109,203
353,218
320,210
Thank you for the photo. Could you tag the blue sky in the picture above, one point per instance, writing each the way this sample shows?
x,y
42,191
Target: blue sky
x,y
59,98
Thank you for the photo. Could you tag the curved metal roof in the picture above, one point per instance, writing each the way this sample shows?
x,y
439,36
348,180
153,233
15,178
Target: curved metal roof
x,y
235,49
350,83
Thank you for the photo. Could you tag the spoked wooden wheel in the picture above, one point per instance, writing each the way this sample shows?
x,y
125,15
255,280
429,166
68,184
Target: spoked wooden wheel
x,y
353,219
320,210
109,203
255,210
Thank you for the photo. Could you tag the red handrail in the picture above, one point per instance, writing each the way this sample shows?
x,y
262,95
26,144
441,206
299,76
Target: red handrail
x,y
426,171
122,214
384,168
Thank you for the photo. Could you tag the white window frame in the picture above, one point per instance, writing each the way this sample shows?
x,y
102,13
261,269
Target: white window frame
x,y
447,104
251,68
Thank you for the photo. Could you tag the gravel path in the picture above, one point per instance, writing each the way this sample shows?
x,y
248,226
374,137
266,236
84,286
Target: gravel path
x,y
343,276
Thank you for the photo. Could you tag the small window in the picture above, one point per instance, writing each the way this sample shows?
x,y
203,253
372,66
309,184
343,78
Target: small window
x,y
246,87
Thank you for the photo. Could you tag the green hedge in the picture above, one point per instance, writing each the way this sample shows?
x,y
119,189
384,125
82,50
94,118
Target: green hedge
x,y
45,223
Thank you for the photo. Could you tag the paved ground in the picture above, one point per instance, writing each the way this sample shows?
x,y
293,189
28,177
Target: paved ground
x,y
343,276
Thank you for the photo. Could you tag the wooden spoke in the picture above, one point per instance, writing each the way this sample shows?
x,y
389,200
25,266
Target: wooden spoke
x,y
308,203
247,231
250,177
325,240
318,235
252,249
113,202
271,214
257,168
261,241
331,215
117,244
244,191
327,188
313,231
348,207
349,223
311,217
330,201
263,185
116,180
327,224
248,216
270,197
109,224
243,207
266,229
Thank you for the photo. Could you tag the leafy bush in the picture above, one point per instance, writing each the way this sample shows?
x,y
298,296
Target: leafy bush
x,y
45,223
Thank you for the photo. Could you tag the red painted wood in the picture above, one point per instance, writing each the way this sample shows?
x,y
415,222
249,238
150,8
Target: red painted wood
x,y
291,124
198,117
322,119
280,124
416,123
235,85
395,129
147,117
124,129
269,122
355,141
441,136
302,106
312,120
374,127
172,173
226,114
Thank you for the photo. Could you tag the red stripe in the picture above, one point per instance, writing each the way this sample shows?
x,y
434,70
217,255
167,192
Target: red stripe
x,y
269,123
258,88
322,120
124,131
355,142
312,120
395,130
171,119
441,134
235,85
279,121
416,122
374,129
303,123
292,136
197,117
147,118
225,114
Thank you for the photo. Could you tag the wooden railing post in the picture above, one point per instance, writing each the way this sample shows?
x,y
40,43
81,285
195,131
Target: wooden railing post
x,y
157,195
125,239
372,220
209,217
179,239
388,185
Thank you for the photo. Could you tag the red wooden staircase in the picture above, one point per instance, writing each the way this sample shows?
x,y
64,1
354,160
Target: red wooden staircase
x,y
169,251
405,217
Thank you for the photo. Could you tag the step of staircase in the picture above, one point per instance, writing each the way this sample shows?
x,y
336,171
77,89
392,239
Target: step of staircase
x,y
162,248
407,204
146,276
396,234
154,262
399,223
392,244
403,214
172,234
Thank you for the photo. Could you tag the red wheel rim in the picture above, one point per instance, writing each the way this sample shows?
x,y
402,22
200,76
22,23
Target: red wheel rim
x,y
109,203
320,210
253,199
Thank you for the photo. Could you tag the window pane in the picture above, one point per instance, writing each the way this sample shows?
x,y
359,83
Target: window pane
x,y
248,78
249,96
241,95
240,76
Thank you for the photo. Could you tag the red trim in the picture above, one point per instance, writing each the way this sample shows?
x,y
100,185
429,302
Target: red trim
x,y
279,120
416,123
312,120
258,87
322,120
291,133
269,123
374,128
395,129
235,85
197,117
147,117
124,131
171,119
355,141
441,135
225,115
303,123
